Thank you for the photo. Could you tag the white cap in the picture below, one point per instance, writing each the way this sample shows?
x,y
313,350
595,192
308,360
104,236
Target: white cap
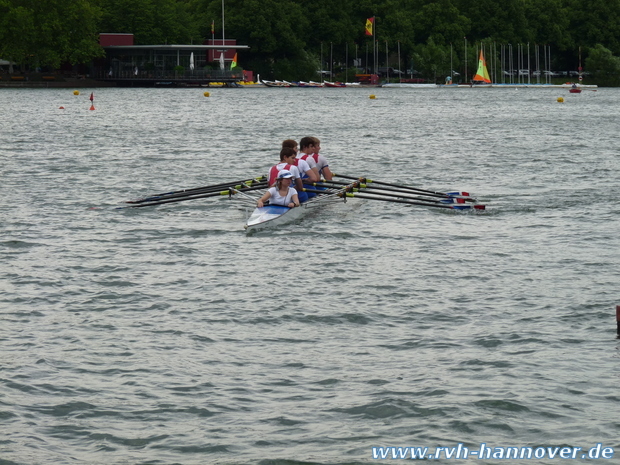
x,y
285,174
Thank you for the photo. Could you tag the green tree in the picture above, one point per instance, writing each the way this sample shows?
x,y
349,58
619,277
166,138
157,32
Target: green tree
x,y
442,22
150,21
48,33
595,22
432,60
604,66
499,20
274,30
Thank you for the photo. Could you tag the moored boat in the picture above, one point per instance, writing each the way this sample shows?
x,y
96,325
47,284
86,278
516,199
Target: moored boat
x,y
309,84
410,85
275,83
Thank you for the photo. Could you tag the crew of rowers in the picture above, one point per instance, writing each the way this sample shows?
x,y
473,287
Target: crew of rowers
x,y
299,164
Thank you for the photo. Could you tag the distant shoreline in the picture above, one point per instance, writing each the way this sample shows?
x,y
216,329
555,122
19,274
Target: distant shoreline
x,y
8,81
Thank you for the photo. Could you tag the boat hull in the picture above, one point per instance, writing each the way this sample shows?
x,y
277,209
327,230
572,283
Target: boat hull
x,y
271,216
410,85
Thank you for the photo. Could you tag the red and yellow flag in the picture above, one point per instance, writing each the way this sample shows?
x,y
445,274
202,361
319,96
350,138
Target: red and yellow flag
x,y
370,24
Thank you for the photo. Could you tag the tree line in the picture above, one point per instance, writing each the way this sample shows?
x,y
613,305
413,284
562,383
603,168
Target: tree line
x,y
292,39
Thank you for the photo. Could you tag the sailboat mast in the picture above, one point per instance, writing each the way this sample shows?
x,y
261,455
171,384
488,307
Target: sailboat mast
x,y
580,68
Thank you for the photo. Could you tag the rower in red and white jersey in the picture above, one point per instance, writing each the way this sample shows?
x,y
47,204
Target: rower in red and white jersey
x,y
308,175
287,162
309,151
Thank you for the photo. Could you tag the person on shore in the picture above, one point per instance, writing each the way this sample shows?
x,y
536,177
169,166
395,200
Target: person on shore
x,y
309,151
287,162
282,193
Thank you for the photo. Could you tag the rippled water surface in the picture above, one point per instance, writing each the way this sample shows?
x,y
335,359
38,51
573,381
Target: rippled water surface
x,y
167,335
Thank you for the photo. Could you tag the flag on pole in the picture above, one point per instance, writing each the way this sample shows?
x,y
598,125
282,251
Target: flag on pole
x,y
212,27
370,23
222,60
92,97
233,63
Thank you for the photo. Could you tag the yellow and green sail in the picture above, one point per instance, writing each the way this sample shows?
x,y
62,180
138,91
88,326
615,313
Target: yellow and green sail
x,y
482,74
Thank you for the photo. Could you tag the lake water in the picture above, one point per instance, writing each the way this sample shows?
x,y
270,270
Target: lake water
x,y
167,335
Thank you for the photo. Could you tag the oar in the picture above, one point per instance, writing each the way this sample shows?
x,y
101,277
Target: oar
x,y
386,191
427,192
203,190
229,192
406,195
411,202
199,191
194,190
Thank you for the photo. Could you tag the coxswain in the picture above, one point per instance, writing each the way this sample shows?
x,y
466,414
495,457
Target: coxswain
x,y
287,162
282,193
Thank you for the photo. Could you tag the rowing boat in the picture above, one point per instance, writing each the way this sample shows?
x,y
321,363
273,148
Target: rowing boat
x,y
326,191
275,215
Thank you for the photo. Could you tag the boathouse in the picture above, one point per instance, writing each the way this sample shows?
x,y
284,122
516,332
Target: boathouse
x,y
131,65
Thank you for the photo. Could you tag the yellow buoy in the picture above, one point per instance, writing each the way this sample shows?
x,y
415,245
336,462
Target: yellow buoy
x,y
207,94
76,92
560,99
372,96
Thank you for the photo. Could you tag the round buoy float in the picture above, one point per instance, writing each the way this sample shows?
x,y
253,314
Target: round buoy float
x,y
76,92
61,108
372,96
560,99
207,94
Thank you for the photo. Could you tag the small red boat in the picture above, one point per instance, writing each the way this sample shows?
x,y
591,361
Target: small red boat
x,y
575,90
334,84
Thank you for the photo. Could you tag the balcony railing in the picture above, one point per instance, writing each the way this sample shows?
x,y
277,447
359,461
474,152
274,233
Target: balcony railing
x,y
205,75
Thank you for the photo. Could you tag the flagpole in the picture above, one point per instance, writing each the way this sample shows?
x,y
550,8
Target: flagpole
x,y
331,61
223,39
346,61
387,61
400,74
374,40
466,77
321,67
